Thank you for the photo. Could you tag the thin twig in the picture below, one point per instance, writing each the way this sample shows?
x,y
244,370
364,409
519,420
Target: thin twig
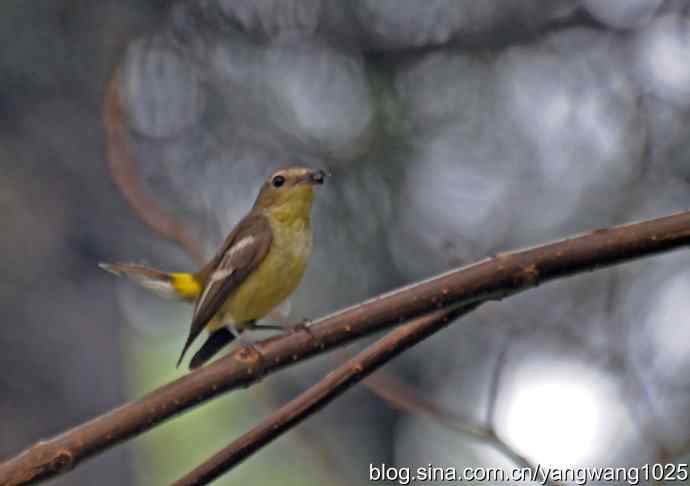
x,y
320,394
490,279
123,170
403,398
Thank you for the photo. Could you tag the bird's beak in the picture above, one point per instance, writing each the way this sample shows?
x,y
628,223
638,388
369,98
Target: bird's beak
x,y
315,177
318,176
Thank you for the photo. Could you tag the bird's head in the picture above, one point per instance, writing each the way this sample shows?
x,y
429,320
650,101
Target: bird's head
x,y
290,190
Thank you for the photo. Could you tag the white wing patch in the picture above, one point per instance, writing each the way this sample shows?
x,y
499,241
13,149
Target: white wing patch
x,y
225,267
239,246
215,277
221,274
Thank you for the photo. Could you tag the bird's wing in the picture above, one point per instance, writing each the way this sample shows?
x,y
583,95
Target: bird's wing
x,y
244,249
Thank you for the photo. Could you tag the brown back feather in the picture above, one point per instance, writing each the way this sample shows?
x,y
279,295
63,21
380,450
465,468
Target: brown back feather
x,y
240,263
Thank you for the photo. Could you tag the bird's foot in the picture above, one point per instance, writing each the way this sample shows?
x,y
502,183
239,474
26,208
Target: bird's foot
x,y
250,351
265,327
248,346
304,325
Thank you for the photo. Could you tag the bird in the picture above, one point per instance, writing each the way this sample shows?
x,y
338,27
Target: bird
x,y
261,262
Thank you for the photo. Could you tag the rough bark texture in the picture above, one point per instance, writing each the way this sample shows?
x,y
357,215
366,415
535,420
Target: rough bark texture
x,y
322,393
491,279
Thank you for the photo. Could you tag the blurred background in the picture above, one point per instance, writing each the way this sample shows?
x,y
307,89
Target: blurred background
x,y
454,129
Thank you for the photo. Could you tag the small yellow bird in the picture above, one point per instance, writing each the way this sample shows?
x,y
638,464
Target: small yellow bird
x,y
260,264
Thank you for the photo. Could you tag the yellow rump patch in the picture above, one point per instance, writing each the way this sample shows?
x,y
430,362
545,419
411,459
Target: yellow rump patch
x,y
186,285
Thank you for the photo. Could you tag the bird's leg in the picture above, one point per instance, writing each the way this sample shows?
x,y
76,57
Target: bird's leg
x,y
303,325
265,327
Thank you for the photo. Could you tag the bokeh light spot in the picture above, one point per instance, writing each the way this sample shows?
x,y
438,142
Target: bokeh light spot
x,y
556,417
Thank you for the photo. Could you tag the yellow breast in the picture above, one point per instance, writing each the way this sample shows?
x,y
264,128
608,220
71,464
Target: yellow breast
x,y
278,275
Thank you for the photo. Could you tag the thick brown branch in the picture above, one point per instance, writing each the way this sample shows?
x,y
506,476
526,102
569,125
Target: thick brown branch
x,y
321,394
489,279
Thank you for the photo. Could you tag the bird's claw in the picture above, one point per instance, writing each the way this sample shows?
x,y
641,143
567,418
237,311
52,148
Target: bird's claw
x,y
303,325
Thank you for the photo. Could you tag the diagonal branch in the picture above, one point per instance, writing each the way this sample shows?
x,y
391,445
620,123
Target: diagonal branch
x,y
490,279
322,393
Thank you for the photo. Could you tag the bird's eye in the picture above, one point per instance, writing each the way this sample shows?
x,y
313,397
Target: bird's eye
x,y
278,181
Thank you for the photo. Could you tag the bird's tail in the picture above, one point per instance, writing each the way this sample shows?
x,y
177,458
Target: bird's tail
x,y
178,286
